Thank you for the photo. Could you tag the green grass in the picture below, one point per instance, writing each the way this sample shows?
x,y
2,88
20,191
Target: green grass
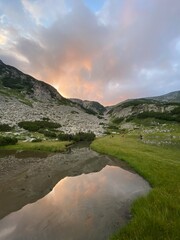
x,y
156,216
159,134
49,146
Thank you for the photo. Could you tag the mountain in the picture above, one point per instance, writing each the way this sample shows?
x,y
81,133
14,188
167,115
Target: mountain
x,y
14,82
169,97
92,106
23,98
162,107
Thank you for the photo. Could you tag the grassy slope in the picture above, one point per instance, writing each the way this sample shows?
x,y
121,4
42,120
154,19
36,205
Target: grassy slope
x,y
49,146
156,216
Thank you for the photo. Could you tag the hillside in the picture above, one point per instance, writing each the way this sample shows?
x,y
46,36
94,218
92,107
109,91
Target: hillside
x,y
163,103
92,106
144,112
23,98
24,87
169,97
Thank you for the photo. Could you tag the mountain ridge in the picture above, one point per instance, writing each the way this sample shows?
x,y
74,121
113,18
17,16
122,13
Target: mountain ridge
x,y
14,79
94,105
23,98
168,97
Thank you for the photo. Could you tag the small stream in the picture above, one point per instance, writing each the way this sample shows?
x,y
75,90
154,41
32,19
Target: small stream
x,y
90,205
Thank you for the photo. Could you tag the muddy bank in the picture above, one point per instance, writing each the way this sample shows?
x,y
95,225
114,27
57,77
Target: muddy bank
x,y
26,176
88,206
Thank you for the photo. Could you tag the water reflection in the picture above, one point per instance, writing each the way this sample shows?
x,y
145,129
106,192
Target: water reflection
x,y
88,206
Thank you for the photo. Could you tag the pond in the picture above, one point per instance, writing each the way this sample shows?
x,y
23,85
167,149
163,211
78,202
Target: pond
x,y
85,206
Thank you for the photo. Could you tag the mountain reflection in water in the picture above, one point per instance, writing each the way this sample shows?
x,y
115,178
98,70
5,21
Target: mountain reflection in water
x,y
90,206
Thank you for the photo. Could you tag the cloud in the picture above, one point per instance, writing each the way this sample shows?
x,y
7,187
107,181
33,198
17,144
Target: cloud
x,y
127,49
45,14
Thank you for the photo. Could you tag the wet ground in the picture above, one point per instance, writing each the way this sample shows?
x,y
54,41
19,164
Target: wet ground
x,y
91,205
27,176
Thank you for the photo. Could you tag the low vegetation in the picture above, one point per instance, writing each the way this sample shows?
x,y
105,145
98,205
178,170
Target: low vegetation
x,y
78,137
35,126
49,134
7,141
5,128
156,216
167,116
37,142
47,146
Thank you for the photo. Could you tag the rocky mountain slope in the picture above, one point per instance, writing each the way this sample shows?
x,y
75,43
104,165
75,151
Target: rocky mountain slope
x,y
141,115
169,97
23,98
133,107
15,83
92,106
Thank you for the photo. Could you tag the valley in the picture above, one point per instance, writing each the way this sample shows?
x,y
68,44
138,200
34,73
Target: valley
x,y
38,130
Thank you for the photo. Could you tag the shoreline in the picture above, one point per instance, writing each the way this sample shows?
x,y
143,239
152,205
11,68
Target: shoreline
x,y
25,178
159,166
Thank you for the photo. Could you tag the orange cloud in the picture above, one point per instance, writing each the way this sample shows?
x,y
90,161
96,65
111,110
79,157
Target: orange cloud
x,y
95,56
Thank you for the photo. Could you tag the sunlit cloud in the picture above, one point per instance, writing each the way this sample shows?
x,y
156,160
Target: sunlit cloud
x,y
106,51
3,39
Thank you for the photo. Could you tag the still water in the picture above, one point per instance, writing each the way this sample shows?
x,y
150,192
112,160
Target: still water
x,y
89,206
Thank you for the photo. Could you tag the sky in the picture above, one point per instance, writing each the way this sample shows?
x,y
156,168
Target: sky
x,y
104,50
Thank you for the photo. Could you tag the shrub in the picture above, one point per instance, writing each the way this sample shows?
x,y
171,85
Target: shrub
x,y
81,136
176,111
174,115
5,127
38,125
158,115
65,137
49,134
7,141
